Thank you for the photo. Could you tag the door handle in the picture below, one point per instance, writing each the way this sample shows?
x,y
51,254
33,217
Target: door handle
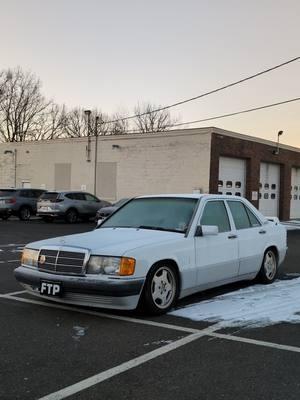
x,y
232,236
262,232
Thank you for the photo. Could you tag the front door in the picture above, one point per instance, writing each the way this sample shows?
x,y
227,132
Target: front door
x,y
217,255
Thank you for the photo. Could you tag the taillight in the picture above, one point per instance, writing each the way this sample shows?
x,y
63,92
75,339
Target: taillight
x,y
11,200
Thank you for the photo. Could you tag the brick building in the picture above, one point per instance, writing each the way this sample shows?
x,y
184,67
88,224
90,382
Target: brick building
x,y
202,159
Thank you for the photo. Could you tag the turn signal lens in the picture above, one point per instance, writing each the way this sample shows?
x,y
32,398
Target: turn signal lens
x,y
127,266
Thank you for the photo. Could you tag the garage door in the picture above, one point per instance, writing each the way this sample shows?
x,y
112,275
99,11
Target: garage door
x,y
269,189
295,193
232,176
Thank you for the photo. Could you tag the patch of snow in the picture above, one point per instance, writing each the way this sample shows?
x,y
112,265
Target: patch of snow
x,y
252,307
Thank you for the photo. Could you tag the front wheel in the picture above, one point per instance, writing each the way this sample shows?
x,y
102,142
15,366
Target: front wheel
x,y
161,289
25,214
269,267
71,216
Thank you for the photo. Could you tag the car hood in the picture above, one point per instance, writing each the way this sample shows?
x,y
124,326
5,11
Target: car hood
x,y
108,209
109,241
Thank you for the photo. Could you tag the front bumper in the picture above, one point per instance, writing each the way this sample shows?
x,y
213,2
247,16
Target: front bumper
x,y
53,213
90,291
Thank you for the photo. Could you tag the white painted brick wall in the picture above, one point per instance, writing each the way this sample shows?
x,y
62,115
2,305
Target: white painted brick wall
x,y
174,162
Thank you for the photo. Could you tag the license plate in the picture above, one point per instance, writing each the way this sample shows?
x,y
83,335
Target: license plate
x,y
51,288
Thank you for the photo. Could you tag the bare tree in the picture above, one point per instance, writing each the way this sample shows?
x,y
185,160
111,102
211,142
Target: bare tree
x,y
149,120
21,103
50,124
118,126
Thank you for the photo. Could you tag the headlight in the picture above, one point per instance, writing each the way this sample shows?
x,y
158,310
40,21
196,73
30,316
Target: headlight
x,y
111,265
30,257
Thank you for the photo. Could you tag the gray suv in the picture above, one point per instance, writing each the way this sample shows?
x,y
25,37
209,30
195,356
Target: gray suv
x,y
70,205
19,202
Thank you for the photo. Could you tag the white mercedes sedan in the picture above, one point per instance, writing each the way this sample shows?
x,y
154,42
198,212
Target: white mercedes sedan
x,y
155,250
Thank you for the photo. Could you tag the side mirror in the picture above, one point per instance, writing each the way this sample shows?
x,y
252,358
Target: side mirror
x,y
206,230
99,222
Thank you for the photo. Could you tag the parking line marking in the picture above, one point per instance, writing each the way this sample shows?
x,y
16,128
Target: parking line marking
x,y
99,314
13,293
9,261
12,245
119,369
255,342
212,333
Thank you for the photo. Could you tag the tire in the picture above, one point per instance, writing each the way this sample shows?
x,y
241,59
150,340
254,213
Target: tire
x,y
5,217
269,268
161,289
71,216
25,213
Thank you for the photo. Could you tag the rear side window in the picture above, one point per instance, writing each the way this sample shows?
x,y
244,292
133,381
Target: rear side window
x,y
90,197
78,196
239,215
26,193
215,214
253,220
7,192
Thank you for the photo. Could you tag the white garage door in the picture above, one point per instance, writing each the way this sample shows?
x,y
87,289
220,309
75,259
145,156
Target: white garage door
x,y
295,193
269,189
232,176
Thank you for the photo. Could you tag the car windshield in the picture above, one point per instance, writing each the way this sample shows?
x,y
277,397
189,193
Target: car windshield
x,y
158,213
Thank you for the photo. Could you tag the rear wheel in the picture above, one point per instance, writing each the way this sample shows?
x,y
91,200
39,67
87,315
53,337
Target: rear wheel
x,y
269,267
25,213
71,216
161,289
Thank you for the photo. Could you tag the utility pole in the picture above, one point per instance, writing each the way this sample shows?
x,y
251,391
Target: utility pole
x,y
96,154
88,148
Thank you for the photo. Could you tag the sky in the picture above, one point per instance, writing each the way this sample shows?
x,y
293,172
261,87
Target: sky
x,y
113,54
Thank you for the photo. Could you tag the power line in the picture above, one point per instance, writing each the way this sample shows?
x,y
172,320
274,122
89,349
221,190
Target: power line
x,y
208,93
223,115
238,112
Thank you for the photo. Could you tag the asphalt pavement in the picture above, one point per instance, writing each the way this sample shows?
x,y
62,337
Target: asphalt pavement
x,y
52,351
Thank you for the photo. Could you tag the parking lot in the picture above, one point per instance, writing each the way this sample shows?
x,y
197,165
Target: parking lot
x,y
53,351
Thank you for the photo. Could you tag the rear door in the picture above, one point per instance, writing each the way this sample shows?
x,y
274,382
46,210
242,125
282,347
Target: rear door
x,y
216,256
251,237
92,204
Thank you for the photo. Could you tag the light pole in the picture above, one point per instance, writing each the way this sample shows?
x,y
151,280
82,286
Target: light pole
x,y
88,149
96,154
276,151
14,153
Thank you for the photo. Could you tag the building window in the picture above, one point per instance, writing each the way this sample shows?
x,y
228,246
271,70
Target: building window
x,y
220,183
267,186
266,196
229,193
295,197
273,196
238,185
295,187
238,193
229,184
260,185
273,186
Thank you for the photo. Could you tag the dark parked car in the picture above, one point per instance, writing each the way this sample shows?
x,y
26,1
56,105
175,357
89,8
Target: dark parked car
x,y
19,202
70,205
106,211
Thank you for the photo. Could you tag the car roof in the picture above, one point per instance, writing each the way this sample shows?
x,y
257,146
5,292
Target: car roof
x,y
193,196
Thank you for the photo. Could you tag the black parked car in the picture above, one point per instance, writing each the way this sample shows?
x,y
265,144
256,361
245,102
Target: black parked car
x,y
19,202
104,212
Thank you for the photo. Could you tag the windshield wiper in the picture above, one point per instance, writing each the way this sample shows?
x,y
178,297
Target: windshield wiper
x,y
159,228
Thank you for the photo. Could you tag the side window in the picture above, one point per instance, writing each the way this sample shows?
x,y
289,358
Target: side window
x,y
79,196
26,193
253,220
70,196
90,197
239,215
215,214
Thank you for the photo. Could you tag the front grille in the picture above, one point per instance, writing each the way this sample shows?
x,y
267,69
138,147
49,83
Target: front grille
x,y
61,261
